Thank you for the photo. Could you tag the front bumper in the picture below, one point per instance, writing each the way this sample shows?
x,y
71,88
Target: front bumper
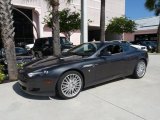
x,y
40,86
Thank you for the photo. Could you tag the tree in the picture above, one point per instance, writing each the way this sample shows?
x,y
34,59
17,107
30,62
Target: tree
x,y
69,21
121,25
7,35
55,25
102,21
154,5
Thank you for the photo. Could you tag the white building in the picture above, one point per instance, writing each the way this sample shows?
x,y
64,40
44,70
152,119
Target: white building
x,y
146,29
37,9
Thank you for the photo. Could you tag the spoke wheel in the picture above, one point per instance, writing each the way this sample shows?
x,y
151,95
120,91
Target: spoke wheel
x,y
70,84
140,69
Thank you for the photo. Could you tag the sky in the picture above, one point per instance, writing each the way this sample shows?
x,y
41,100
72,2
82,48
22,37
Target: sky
x,y
135,9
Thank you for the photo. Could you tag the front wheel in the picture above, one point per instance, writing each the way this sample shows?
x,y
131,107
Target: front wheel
x,y
70,84
140,69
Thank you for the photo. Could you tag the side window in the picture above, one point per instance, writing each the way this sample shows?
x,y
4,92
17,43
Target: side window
x,y
47,42
50,41
117,49
107,50
38,42
112,49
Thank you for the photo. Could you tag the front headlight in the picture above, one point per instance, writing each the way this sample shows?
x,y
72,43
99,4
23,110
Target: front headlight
x,y
39,73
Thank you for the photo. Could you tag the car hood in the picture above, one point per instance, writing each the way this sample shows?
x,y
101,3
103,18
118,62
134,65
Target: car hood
x,y
51,61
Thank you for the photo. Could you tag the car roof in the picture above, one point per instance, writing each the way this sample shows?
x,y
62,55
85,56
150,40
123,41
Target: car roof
x,y
112,41
48,37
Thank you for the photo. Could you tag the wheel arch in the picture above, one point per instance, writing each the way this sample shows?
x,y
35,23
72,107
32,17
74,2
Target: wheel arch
x,y
144,60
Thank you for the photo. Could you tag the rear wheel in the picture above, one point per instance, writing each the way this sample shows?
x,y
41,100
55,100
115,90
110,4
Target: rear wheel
x,y
70,84
140,69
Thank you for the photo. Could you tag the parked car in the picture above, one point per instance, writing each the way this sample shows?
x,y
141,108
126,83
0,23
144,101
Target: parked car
x,y
82,66
150,44
43,46
22,56
139,47
29,46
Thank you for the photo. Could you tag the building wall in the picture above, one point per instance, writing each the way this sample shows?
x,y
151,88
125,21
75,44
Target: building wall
x,y
145,26
114,8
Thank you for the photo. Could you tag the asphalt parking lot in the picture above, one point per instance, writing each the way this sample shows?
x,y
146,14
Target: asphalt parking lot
x,y
124,99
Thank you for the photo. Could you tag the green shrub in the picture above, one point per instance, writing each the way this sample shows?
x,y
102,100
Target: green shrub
x,y
20,65
2,75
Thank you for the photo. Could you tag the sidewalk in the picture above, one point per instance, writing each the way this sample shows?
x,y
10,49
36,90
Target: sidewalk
x,y
126,99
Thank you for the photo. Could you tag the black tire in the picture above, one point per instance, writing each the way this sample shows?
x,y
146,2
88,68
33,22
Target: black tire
x,y
140,69
66,92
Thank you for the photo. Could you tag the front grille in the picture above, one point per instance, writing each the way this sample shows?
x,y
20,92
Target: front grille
x,y
35,89
24,88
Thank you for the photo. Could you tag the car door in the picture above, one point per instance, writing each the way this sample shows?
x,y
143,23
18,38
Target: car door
x,y
130,59
111,63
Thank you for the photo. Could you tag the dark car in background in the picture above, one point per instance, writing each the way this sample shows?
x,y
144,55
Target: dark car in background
x,y
150,44
82,66
43,46
22,56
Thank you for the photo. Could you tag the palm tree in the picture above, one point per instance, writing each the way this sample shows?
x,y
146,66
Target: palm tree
x,y
102,21
154,5
56,28
7,35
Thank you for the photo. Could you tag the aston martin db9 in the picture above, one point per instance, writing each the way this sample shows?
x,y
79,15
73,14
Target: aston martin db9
x,y
82,66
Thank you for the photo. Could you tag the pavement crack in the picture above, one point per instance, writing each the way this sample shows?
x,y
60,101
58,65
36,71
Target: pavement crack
x,y
117,106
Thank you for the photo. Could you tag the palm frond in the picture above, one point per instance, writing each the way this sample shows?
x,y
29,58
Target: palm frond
x,y
51,2
150,4
157,12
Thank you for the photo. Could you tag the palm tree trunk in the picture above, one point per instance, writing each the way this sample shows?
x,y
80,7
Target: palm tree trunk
x,y
158,35
7,34
102,21
55,28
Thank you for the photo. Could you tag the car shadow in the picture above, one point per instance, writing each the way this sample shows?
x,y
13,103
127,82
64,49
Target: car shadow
x,y
104,83
17,90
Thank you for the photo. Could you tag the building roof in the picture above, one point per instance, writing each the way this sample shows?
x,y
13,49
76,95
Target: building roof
x,y
147,23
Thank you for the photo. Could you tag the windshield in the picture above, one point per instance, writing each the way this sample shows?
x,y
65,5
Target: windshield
x,y
86,49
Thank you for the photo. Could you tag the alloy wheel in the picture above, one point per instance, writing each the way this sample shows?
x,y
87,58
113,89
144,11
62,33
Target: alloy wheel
x,y
71,85
141,69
